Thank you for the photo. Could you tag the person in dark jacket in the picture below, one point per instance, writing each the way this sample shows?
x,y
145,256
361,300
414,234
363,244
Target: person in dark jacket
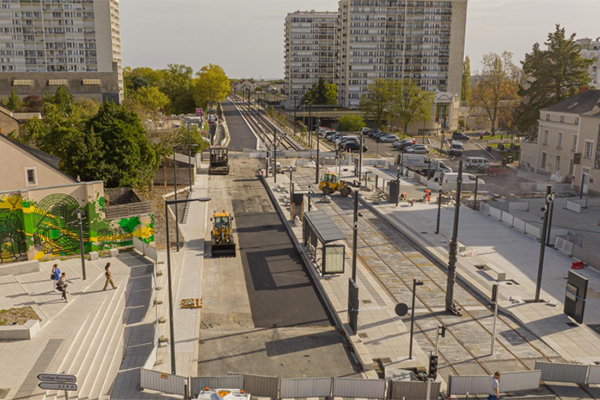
x,y
62,285
55,275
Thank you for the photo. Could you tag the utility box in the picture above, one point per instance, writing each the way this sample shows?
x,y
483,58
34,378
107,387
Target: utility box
x,y
575,296
393,191
297,203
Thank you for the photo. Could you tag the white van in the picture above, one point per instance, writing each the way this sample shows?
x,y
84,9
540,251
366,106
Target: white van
x,y
456,148
448,181
476,162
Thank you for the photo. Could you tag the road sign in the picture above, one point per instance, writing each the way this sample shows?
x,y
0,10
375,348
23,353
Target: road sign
x,y
57,378
58,386
401,310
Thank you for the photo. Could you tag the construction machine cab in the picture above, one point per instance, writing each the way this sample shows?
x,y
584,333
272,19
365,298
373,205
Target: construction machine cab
x,y
222,242
219,160
331,182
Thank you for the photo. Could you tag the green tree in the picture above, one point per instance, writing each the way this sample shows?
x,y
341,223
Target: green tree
x,y
13,102
321,93
177,85
62,99
151,99
211,85
552,75
465,94
409,103
377,100
128,157
33,103
496,90
351,123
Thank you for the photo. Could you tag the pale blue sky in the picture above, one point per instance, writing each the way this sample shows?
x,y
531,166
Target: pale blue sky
x,y
246,37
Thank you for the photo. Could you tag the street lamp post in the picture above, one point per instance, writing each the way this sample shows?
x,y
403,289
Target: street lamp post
x,y
171,324
360,161
318,155
476,190
81,247
355,236
310,193
176,208
412,315
545,209
551,212
310,129
450,307
274,155
437,227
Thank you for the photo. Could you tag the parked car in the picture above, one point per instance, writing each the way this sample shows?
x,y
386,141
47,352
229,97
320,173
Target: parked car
x,y
344,139
459,136
417,149
365,131
476,162
353,146
373,132
456,148
405,145
329,134
333,137
378,134
425,172
387,138
499,170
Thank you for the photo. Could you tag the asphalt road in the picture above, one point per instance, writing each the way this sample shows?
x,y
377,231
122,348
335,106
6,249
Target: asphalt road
x,y
241,135
261,313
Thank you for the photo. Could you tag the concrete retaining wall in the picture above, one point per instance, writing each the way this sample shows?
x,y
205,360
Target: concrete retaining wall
x,y
20,332
20,268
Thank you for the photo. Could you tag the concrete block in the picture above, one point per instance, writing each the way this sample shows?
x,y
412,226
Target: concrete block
x,y
20,332
20,268
94,255
114,252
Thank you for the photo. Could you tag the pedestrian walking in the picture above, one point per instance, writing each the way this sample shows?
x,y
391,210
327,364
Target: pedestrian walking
x,y
55,275
494,387
108,275
62,285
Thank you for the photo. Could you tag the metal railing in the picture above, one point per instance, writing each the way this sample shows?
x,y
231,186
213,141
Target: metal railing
x,y
128,210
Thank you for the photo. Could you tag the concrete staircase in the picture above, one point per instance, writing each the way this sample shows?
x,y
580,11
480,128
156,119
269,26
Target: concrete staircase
x,y
94,351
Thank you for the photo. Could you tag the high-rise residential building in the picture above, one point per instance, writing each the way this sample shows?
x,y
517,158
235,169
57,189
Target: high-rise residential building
x,y
591,49
396,39
310,52
48,43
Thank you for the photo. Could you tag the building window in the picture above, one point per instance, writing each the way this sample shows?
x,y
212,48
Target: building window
x,y
543,163
562,118
31,176
557,165
559,140
576,120
588,149
547,117
545,141
574,143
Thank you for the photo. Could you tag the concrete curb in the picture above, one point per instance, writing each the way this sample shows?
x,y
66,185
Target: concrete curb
x,y
360,353
481,147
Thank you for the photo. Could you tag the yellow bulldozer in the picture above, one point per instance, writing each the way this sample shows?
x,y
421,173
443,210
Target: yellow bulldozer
x,y
222,243
331,183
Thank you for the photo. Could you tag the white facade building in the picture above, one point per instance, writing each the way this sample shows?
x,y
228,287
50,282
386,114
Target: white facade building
x,y
591,49
310,52
73,36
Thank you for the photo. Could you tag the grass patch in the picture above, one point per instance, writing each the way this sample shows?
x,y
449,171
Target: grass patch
x,y
18,315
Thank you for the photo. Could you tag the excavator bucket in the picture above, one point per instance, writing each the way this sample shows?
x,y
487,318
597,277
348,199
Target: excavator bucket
x,y
223,249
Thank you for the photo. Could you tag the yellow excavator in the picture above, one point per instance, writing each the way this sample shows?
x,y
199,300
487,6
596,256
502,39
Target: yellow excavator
x,y
331,183
222,243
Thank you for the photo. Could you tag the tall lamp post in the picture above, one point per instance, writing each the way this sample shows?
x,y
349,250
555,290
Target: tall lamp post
x,y
545,209
171,325
81,248
318,155
412,315
450,307
275,155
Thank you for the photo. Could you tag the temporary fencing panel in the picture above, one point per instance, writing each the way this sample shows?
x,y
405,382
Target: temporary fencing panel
x,y
496,213
573,206
262,386
564,246
361,388
555,372
162,382
533,230
305,387
507,218
519,224
594,375
516,381
400,390
484,208
461,385
217,382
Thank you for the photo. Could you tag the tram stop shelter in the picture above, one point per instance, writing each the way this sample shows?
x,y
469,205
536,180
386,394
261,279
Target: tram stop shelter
x,y
319,233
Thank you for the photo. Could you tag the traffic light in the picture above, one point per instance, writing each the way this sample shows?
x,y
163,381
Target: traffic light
x,y
433,367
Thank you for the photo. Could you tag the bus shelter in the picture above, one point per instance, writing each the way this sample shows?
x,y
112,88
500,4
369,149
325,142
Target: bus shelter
x,y
319,234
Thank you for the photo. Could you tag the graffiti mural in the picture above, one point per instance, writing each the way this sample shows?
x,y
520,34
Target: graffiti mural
x,y
50,227
13,246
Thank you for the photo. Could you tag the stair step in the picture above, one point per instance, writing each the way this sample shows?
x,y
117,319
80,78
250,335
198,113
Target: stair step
x,y
114,329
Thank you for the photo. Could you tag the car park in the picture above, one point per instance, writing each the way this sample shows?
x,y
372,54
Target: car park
x,y
377,135
373,132
346,139
333,137
417,149
499,170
